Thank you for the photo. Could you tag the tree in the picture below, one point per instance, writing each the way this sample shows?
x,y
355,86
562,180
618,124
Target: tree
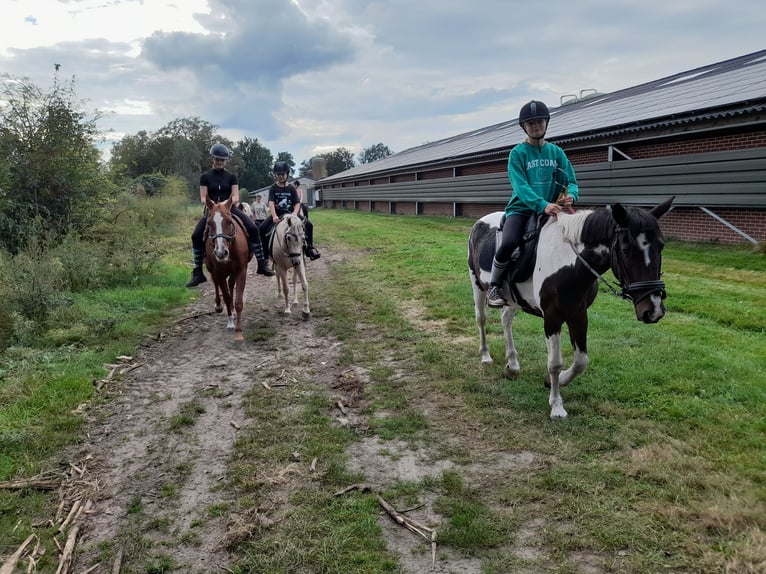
x,y
51,175
179,148
374,153
257,162
337,161
287,157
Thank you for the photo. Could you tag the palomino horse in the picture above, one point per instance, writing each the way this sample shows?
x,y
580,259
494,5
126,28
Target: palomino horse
x,y
287,253
226,257
572,253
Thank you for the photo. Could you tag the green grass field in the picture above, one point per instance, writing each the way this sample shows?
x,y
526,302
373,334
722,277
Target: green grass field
x,y
661,466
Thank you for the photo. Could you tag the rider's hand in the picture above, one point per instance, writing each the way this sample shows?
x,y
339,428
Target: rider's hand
x,y
552,209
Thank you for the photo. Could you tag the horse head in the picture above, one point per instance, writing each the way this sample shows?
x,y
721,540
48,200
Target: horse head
x,y
292,237
221,228
637,258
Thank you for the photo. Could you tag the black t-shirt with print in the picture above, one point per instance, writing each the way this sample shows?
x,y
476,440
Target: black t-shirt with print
x,y
285,198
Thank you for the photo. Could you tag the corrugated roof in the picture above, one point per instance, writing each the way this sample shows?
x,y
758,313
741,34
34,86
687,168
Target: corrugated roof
x,y
727,88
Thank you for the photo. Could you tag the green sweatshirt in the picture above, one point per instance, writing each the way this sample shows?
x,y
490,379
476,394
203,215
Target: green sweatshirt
x,y
531,170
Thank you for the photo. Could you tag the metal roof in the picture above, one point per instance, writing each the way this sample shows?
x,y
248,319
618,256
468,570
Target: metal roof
x,y
728,88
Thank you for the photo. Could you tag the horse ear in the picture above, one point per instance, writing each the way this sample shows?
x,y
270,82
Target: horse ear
x,y
619,214
662,208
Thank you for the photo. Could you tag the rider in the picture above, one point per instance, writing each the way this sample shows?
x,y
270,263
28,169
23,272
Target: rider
x,y
310,250
284,199
535,168
220,184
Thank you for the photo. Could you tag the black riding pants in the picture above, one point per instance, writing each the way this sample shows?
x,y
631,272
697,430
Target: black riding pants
x,y
513,231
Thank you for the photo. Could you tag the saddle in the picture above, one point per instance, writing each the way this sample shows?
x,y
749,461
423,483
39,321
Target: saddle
x,y
523,257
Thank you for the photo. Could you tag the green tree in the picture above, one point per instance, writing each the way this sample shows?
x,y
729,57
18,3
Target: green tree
x,y
51,178
374,153
337,161
257,162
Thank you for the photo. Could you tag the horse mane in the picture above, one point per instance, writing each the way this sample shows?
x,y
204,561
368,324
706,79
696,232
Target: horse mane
x,y
571,226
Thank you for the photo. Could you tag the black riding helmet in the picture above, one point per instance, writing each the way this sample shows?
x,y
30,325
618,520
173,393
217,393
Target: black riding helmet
x,y
534,110
219,151
281,167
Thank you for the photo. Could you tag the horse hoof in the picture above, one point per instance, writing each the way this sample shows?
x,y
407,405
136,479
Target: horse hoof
x,y
306,316
511,374
218,308
238,336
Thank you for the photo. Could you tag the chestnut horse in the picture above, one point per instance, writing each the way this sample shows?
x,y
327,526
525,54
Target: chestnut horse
x,y
227,254
573,251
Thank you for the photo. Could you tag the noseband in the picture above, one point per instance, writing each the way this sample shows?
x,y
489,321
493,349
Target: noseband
x,y
636,291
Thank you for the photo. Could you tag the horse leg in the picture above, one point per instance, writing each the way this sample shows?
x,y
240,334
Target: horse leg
x,y
218,306
480,313
578,333
512,368
239,296
553,342
227,290
300,271
283,289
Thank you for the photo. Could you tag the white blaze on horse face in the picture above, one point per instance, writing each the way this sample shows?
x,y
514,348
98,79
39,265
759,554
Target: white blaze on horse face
x,y
645,246
219,248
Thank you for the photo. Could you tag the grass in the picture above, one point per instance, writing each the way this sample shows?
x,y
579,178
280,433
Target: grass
x,y
660,467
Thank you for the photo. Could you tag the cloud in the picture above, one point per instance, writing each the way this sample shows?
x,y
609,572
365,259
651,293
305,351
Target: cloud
x,y
311,75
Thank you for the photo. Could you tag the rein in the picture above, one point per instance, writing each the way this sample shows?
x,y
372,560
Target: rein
x,y
626,290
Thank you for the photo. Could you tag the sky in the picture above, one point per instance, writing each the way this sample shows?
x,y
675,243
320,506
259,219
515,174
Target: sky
x,y
309,76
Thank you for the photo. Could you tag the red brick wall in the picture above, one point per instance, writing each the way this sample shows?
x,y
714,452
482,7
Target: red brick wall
x,y
436,209
363,205
694,145
405,208
693,224
437,173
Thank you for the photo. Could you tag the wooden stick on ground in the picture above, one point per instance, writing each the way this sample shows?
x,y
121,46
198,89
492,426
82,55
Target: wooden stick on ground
x,y
425,532
66,557
117,563
34,482
10,565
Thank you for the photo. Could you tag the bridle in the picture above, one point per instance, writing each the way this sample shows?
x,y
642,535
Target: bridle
x,y
283,244
636,291
229,238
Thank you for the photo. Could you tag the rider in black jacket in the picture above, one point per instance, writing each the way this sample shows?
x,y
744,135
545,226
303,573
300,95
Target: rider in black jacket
x,y
219,184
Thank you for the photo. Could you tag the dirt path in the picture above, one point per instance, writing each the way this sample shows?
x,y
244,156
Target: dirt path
x,y
157,450
159,447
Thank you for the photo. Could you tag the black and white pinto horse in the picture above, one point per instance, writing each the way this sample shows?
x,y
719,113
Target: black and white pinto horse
x,y
287,254
573,252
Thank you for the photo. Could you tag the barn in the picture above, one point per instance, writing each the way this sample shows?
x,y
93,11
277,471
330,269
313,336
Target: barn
x,y
698,135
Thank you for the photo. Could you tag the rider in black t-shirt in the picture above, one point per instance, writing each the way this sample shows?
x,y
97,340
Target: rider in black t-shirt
x,y
219,184
283,199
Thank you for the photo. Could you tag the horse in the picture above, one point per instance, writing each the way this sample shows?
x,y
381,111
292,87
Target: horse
x,y
245,208
573,251
287,253
227,254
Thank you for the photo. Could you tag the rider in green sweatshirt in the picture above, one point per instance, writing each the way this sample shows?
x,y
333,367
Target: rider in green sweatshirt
x,y
543,181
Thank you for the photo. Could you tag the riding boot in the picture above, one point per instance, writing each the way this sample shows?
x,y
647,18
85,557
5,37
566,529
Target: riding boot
x,y
257,248
311,252
495,297
197,275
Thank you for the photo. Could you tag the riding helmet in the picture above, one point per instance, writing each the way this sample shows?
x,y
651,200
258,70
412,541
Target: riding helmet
x,y
219,151
534,110
281,167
